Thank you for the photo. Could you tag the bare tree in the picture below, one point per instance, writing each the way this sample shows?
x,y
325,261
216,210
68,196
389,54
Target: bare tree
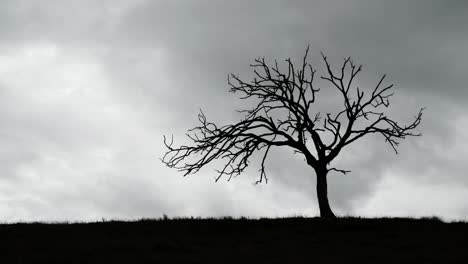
x,y
284,115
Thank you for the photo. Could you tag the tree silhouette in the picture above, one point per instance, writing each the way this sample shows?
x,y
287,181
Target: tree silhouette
x,y
284,115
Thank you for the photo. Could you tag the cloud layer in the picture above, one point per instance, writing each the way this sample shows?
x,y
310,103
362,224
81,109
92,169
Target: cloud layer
x,y
88,88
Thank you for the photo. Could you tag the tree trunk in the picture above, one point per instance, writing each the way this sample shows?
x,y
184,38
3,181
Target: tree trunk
x,y
322,194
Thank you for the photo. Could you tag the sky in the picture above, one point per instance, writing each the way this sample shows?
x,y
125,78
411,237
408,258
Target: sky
x,y
88,89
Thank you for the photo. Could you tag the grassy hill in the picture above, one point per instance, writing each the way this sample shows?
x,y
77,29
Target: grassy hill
x,y
286,240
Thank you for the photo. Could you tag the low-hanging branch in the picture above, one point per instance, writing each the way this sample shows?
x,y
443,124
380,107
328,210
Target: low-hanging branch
x,y
233,143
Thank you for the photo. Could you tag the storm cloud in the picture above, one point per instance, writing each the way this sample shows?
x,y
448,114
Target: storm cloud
x,y
88,88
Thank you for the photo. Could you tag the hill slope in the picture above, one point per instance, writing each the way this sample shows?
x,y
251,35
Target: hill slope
x,y
287,240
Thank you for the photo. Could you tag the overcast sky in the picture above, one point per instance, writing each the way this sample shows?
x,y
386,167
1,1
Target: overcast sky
x,y
88,88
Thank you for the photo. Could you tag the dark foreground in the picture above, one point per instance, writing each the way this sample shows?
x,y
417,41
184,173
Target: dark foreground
x,y
288,240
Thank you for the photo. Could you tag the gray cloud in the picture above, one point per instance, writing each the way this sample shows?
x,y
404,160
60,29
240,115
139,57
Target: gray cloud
x,y
88,88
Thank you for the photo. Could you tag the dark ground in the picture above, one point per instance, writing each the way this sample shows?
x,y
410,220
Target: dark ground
x,y
288,240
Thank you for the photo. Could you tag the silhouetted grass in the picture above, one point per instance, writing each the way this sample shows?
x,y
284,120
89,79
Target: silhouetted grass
x,y
227,240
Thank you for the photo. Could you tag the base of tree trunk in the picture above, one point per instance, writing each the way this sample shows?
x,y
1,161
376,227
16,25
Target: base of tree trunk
x,y
327,214
322,195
